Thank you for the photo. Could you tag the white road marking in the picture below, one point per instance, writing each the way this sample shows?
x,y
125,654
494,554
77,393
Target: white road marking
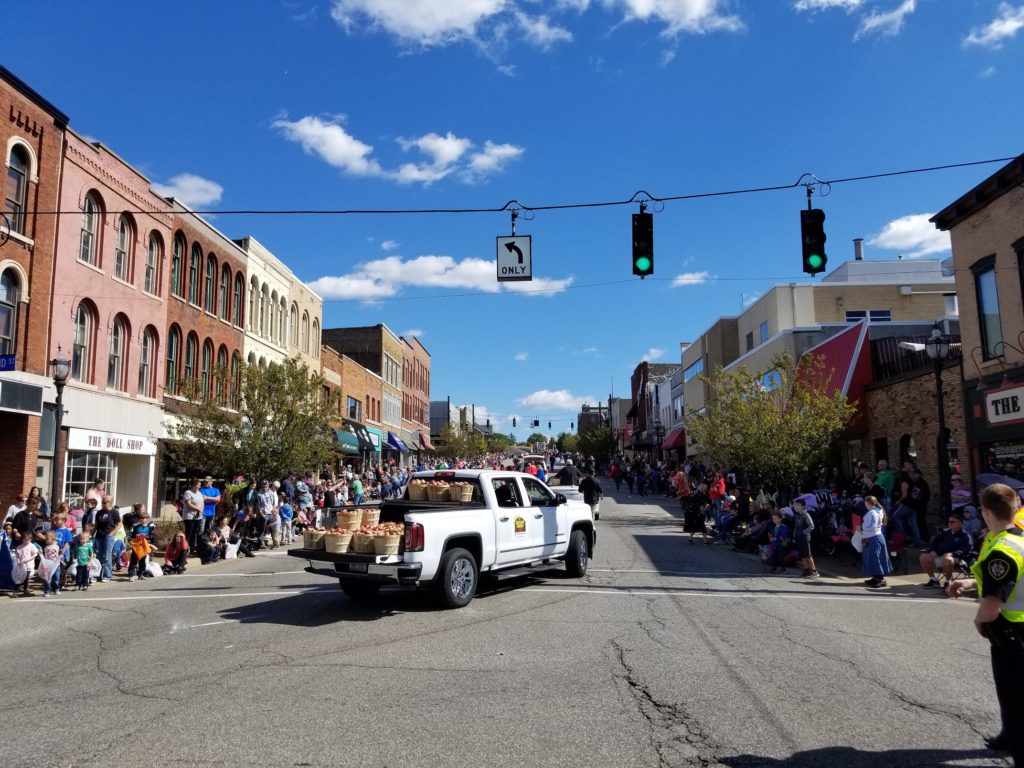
x,y
242,575
715,574
151,596
740,594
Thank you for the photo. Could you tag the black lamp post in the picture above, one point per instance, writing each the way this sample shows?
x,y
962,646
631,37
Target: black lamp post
x,y
60,367
937,347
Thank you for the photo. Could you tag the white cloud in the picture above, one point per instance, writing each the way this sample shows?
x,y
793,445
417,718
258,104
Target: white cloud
x,y
589,351
194,191
544,400
913,235
446,155
1005,26
424,22
384,277
489,23
332,143
412,333
690,278
821,5
750,298
543,287
886,22
986,73
539,30
522,356
389,245
652,354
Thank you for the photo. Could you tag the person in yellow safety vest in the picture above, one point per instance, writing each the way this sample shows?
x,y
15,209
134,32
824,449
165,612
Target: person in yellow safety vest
x,y
1000,616
1018,519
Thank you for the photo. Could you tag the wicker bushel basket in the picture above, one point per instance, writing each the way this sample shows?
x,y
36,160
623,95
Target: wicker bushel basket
x,y
350,519
417,492
338,543
387,545
363,544
370,517
313,539
437,492
461,493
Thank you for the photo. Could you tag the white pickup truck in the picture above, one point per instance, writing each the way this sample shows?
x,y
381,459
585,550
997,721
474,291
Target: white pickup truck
x,y
514,524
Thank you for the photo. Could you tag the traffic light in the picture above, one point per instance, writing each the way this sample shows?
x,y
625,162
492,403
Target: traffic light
x,y
643,245
549,425
536,423
513,421
812,233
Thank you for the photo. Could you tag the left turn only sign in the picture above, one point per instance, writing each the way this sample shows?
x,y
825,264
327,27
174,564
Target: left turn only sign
x,y
515,261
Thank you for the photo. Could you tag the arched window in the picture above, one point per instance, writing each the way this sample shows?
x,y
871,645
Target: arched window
x,y
17,188
173,353
369,413
124,249
177,264
254,297
316,338
9,295
263,310
252,358
293,326
154,254
194,266
225,291
305,332
221,375
191,351
236,380
263,362
207,368
209,303
272,317
88,245
81,354
282,314
236,307
147,354
115,359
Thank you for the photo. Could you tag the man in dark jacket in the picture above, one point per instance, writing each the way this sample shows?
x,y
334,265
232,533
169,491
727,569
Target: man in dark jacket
x,y
948,546
107,519
568,475
592,493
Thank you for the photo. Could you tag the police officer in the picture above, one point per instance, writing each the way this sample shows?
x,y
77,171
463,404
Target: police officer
x,y
1000,616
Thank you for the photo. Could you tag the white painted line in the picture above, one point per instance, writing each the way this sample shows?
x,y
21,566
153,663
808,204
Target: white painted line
x,y
740,594
243,575
718,574
151,596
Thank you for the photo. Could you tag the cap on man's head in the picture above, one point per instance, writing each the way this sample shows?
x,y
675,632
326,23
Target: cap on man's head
x,y
90,501
208,479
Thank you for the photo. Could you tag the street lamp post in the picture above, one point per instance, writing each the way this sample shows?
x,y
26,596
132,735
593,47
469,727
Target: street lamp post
x,y
937,347
60,367
657,437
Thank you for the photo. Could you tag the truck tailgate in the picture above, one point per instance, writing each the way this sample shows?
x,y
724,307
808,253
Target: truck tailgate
x,y
353,564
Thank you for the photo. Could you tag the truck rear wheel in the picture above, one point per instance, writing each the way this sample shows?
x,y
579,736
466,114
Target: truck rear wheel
x,y
577,556
456,579
359,590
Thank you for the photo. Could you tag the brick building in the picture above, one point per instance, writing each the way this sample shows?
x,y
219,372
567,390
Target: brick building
x,y
986,226
416,395
32,135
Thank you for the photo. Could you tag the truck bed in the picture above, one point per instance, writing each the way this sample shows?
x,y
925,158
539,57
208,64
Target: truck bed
x,y
394,510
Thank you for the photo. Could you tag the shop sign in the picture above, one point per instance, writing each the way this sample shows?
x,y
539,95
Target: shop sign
x,y
110,442
1005,406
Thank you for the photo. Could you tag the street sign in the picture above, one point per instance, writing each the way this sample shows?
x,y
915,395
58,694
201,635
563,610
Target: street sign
x,y
515,261
7,363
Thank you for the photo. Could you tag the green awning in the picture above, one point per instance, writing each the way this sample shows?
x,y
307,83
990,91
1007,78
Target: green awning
x,y
346,442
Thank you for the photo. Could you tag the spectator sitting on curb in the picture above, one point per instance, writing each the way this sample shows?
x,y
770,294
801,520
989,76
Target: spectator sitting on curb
x,y
945,549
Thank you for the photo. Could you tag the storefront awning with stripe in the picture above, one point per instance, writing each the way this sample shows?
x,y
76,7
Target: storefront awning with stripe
x,y
346,442
675,439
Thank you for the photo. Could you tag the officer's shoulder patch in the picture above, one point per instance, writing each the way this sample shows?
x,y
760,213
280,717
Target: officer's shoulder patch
x,y
998,569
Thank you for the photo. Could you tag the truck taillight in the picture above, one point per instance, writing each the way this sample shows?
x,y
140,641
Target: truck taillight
x,y
413,537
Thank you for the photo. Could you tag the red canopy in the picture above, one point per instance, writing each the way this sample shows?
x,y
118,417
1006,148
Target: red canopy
x,y
425,442
675,439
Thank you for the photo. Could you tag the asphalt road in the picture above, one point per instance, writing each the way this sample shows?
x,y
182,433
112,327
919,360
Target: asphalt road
x,y
666,654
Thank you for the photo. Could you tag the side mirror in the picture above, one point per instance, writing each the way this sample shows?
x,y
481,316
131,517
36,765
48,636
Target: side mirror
x,y
560,499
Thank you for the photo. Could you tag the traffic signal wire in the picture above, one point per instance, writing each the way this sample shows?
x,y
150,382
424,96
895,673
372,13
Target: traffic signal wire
x,y
515,205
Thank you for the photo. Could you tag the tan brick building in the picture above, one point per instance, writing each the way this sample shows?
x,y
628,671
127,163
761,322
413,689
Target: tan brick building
x,y
986,226
32,135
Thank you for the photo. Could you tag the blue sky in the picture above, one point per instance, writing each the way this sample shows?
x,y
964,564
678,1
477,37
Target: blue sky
x,y
416,104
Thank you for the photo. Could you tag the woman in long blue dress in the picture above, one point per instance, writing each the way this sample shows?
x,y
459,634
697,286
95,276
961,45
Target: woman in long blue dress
x,y
875,556
6,563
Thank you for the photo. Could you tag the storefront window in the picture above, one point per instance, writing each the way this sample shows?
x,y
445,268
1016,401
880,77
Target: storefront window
x,y
988,307
84,468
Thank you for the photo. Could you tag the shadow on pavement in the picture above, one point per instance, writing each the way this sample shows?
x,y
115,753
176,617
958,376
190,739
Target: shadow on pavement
x,y
848,757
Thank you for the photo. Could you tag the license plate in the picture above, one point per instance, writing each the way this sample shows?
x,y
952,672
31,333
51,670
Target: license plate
x,y
358,567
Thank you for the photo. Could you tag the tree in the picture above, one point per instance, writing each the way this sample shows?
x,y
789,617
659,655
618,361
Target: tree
x,y
536,437
497,442
284,424
451,441
599,441
776,428
567,442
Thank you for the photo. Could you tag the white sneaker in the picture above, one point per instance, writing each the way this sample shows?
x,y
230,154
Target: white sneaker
x,y
131,579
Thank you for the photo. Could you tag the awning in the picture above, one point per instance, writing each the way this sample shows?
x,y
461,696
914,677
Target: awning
x,y
631,413
395,443
346,442
845,368
425,443
362,435
675,439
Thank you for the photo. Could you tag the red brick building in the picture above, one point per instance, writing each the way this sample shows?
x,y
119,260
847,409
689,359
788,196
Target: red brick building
x,y
32,135
415,395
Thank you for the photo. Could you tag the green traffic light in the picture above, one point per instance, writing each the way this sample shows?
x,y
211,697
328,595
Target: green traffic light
x,y
815,261
643,264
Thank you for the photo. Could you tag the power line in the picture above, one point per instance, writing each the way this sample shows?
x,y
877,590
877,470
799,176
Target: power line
x,y
513,205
